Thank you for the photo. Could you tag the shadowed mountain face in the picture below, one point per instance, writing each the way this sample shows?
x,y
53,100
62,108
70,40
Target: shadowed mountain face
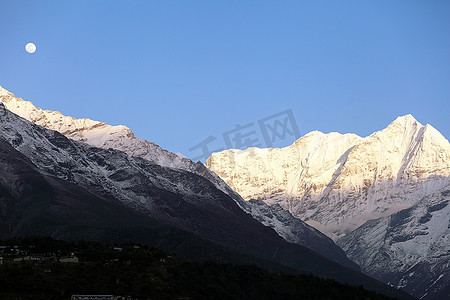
x,y
51,185
409,249
121,138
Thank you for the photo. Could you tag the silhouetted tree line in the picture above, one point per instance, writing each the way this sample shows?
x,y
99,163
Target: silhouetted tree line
x,y
148,273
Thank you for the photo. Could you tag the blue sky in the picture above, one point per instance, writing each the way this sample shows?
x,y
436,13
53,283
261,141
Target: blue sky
x,y
178,72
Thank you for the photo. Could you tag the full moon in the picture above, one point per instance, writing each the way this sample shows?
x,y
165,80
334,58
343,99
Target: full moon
x,y
30,47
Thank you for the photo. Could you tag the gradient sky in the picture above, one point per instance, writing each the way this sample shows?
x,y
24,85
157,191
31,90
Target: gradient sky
x,y
177,72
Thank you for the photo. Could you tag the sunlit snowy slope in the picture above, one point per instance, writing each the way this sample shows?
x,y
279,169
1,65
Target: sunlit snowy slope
x,y
386,191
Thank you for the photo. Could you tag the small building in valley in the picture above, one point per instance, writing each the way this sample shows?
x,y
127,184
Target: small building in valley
x,y
68,259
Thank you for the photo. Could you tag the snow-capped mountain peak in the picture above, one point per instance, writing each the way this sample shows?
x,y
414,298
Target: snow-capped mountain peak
x,y
347,186
405,120
336,182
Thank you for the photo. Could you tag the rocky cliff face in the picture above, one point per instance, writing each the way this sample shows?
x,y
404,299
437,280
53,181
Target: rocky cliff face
x,y
409,249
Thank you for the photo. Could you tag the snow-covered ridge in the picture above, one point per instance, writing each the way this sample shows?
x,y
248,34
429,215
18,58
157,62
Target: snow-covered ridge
x,y
94,133
106,136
